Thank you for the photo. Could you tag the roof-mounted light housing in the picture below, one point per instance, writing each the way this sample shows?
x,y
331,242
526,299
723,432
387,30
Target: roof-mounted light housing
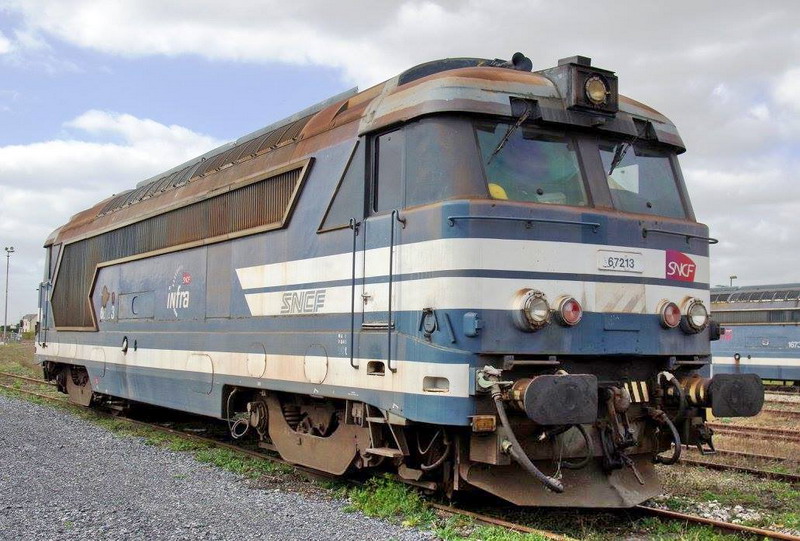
x,y
585,88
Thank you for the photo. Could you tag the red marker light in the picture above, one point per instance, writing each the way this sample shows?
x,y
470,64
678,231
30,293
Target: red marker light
x,y
670,314
570,311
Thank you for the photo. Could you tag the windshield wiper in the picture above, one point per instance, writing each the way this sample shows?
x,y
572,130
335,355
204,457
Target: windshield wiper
x,y
619,153
509,132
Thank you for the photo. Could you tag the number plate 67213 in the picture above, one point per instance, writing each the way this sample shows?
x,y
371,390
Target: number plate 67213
x,y
620,261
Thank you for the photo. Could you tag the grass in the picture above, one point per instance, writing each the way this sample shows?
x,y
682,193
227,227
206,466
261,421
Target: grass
x,y
383,497
17,358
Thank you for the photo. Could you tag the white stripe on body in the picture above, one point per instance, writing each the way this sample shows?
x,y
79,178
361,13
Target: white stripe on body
x,y
470,293
757,361
291,368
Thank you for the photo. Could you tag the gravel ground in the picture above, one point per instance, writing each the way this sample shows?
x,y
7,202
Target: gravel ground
x,y
64,478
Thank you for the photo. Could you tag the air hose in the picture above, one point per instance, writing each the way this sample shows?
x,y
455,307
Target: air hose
x,y
681,395
676,444
515,449
589,451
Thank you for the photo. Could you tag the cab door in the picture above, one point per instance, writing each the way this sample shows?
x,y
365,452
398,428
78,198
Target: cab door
x,y
383,230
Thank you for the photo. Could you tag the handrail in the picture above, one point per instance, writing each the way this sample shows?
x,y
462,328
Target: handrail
x,y
395,216
41,336
354,226
688,236
451,220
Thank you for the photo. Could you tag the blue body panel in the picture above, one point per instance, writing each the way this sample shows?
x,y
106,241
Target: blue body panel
x,y
779,343
192,301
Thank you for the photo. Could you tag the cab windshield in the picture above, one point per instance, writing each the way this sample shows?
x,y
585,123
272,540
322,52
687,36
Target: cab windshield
x,y
528,164
641,179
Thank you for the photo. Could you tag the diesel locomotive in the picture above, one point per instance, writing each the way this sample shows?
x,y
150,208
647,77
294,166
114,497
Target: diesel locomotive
x,y
476,275
761,332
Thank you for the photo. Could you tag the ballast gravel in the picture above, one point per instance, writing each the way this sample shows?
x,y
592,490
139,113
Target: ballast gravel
x,y
64,478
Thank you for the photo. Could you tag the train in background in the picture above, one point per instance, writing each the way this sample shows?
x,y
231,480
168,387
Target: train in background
x,y
761,332
475,275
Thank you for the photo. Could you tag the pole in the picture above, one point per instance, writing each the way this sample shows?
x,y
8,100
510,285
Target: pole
x,y
9,251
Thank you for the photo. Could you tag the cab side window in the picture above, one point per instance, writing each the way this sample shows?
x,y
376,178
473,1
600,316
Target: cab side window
x,y
348,199
389,160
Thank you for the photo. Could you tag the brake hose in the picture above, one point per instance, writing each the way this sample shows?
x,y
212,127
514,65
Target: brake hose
x,y
682,405
676,443
589,451
516,451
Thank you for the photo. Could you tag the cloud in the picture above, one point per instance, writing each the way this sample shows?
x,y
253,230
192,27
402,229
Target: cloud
x,y
5,44
727,76
42,184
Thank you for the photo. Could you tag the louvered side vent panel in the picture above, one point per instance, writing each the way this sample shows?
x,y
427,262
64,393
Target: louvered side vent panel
x,y
262,204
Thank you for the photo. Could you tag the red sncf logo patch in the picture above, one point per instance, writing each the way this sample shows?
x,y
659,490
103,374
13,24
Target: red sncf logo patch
x,y
680,266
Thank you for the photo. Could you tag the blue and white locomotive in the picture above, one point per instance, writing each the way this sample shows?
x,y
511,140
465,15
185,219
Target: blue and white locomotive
x,y
473,274
762,331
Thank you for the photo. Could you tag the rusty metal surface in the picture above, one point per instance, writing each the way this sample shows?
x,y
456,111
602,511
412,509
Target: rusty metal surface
x,y
718,523
79,388
756,432
789,477
31,380
472,90
587,487
261,204
499,522
332,454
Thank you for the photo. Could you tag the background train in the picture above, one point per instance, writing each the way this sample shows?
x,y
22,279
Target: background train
x,y
473,274
762,332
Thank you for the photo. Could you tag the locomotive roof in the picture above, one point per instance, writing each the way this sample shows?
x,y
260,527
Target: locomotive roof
x,y
465,85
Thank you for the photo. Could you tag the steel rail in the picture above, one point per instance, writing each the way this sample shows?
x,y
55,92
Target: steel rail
x,y
448,509
499,522
756,431
795,392
741,454
778,476
717,523
25,378
787,413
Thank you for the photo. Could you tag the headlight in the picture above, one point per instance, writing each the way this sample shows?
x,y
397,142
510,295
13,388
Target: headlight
x,y
531,310
596,90
695,316
669,313
568,311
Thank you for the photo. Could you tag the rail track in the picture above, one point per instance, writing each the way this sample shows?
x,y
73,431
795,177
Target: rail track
x,y
778,476
741,454
780,434
793,391
784,413
448,509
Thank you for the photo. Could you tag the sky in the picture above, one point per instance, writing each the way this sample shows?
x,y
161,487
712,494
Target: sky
x,y
97,96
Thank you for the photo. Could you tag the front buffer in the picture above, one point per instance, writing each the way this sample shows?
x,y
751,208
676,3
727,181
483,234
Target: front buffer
x,y
569,440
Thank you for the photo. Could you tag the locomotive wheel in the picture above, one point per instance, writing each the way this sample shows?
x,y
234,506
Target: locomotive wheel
x,y
333,453
79,388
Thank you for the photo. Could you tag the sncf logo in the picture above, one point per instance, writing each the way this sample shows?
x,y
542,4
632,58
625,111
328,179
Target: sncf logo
x,y
680,266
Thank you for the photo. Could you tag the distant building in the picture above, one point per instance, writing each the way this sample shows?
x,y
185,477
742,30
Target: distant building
x,y
28,323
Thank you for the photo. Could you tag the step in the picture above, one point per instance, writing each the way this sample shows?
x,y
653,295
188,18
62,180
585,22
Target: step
x,y
385,451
